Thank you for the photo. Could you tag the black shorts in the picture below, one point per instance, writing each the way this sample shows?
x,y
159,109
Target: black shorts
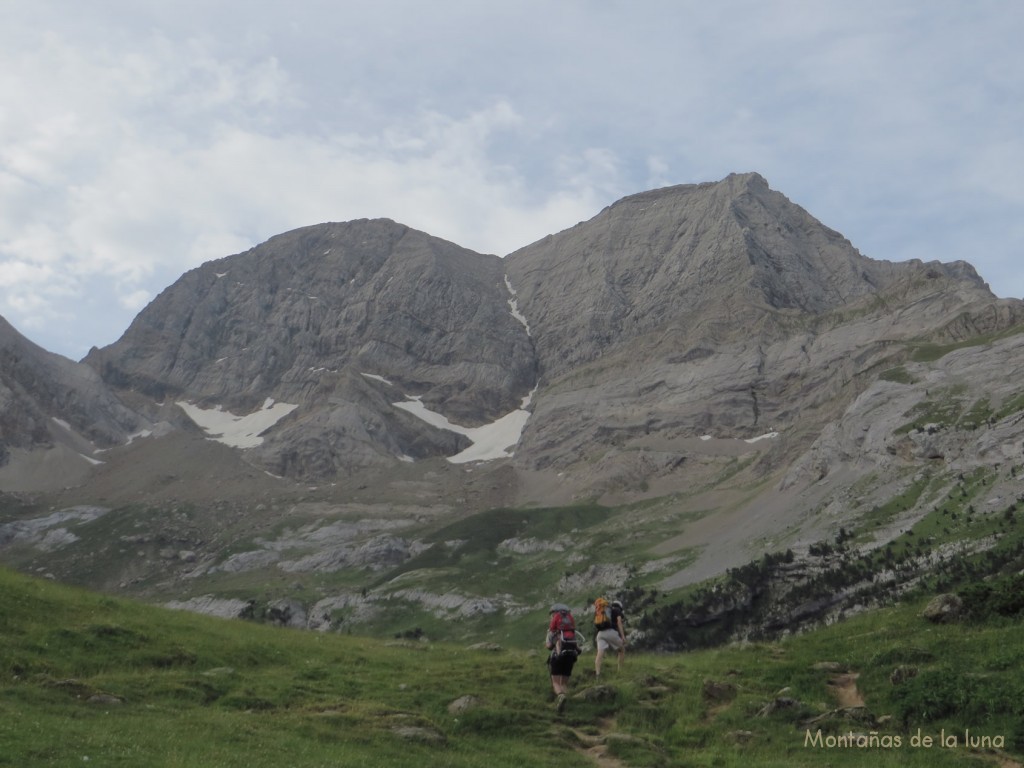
x,y
562,663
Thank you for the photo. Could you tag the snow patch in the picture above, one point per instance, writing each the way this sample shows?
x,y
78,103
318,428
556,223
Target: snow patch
x,y
491,441
237,431
375,377
749,440
137,435
513,304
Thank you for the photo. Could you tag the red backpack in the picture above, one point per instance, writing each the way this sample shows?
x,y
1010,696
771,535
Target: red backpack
x,y
564,627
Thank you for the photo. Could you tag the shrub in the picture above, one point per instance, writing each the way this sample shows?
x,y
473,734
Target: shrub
x,y
1000,597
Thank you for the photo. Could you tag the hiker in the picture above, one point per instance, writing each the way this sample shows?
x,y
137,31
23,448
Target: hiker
x,y
563,643
611,633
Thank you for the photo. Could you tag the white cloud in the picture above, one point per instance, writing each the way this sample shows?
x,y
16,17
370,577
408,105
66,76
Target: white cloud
x,y
139,139
135,301
106,191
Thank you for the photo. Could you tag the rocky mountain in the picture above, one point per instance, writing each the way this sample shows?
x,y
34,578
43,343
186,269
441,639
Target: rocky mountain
x,y
695,377
724,310
56,416
339,321
680,311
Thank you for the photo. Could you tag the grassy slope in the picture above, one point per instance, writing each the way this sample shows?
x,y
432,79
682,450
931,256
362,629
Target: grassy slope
x,y
196,691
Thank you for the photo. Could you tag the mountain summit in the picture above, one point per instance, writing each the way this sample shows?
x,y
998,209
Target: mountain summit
x,y
712,260
679,295
340,321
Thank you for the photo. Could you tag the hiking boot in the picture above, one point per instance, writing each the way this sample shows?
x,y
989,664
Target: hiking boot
x,y
560,702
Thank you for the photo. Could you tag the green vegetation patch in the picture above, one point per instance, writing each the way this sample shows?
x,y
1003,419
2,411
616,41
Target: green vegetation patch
x,y
926,352
899,375
905,500
471,544
1010,407
254,696
945,409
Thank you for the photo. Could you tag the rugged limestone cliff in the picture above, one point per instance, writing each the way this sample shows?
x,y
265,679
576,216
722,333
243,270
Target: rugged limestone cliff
x,y
709,261
721,373
341,320
717,309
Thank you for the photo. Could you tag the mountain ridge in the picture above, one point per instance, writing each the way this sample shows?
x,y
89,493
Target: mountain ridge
x,y
725,373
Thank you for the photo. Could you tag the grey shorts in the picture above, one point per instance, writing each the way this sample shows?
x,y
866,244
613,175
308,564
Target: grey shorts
x,y
609,638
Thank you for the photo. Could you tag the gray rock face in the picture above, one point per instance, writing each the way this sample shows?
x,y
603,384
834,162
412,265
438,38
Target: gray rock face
x,y
213,606
718,312
287,613
35,384
710,351
716,309
49,403
342,320
286,318
709,261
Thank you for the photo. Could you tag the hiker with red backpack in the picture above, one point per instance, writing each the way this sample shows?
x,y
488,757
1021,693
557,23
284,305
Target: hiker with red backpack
x,y
564,643
611,633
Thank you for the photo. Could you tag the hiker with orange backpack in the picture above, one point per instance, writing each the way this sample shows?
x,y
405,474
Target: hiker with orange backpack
x,y
611,632
564,643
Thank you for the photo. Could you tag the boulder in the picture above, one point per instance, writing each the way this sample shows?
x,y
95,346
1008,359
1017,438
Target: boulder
x,y
597,693
464,704
287,613
943,609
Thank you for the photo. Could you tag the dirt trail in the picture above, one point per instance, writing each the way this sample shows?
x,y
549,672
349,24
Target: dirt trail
x,y
596,747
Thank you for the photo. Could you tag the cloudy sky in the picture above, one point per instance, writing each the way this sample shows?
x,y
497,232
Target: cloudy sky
x,y
140,138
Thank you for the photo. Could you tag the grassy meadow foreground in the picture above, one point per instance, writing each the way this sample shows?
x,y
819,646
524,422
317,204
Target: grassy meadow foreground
x,y
91,680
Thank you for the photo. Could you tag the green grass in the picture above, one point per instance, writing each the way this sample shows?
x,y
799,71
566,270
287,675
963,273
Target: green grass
x,y
884,513
945,410
899,374
926,352
1012,406
479,535
87,679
